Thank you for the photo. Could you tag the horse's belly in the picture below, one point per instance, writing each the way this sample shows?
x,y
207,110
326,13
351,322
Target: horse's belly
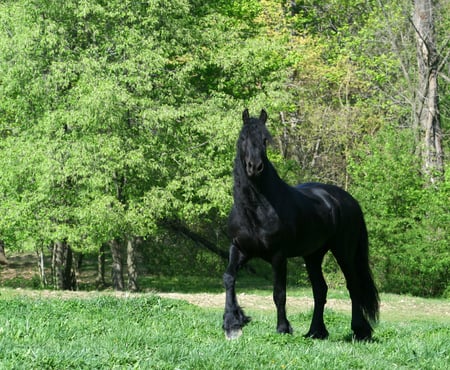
x,y
305,239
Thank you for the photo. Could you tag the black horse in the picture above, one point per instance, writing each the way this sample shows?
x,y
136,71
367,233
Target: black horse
x,y
274,221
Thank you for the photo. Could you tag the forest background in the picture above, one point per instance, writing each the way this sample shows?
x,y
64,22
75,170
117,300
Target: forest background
x,y
118,122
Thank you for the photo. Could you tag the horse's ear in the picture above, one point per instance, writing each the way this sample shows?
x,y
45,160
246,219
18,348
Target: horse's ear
x,y
263,116
245,116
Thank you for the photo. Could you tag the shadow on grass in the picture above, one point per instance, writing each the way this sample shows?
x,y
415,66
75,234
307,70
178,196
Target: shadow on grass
x,y
201,284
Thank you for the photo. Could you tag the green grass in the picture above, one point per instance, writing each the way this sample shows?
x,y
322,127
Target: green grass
x,y
148,332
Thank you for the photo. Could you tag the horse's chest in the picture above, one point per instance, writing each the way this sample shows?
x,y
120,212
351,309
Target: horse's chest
x,y
258,230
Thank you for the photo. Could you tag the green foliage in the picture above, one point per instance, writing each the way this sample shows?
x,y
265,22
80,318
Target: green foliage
x,y
117,115
150,332
408,222
330,18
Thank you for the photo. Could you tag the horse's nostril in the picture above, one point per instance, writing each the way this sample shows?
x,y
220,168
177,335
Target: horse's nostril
x,y
260,167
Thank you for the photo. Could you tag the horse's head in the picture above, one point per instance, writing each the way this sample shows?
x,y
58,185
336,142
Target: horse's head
x,y
252,143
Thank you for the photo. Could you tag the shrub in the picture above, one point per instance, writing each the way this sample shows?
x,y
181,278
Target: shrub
x,y
408,222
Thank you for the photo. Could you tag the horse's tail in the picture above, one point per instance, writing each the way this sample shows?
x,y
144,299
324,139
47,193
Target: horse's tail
x,y
369,298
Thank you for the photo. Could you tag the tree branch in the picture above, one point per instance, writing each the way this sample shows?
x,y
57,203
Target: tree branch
x,y
179,228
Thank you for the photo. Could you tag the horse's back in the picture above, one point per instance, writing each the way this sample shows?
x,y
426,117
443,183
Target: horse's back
x,y
334,199
325,191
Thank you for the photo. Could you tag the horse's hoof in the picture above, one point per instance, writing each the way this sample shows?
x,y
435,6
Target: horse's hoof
x,y
317,335
233,334
362,338
285,329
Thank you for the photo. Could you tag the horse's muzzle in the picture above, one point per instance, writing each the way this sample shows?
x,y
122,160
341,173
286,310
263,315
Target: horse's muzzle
x,y
253,169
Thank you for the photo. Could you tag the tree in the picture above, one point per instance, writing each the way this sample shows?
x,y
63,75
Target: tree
x,y
427,109
406,60
75,127
116,114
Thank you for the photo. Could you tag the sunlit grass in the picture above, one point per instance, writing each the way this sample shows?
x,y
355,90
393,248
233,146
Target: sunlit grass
x,y
154,333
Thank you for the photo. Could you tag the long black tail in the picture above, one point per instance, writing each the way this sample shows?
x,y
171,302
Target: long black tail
x,y
369,298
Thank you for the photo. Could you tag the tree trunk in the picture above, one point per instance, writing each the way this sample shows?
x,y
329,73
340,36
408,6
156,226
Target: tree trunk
x,y
427,109
117,265
57,264
131,264
100,281
3,260
63,266
70,281
41,265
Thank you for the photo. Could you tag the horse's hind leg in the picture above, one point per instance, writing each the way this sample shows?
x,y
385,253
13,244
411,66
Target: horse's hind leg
x,y
361,328
313,263
233,318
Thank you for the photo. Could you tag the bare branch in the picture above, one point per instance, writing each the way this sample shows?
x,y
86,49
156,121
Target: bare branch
x,y
444,77
395,46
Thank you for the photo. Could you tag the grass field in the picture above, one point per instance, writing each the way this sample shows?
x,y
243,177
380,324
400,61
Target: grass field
x,y
45,330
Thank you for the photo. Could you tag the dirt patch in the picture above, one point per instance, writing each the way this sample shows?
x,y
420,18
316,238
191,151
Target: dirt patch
x,y
393,308
253,301
22,266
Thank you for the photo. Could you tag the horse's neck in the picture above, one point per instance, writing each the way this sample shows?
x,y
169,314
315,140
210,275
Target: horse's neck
x,y
251,193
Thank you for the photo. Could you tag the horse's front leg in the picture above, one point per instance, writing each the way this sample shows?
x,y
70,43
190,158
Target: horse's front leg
x,y
279,266
233,318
